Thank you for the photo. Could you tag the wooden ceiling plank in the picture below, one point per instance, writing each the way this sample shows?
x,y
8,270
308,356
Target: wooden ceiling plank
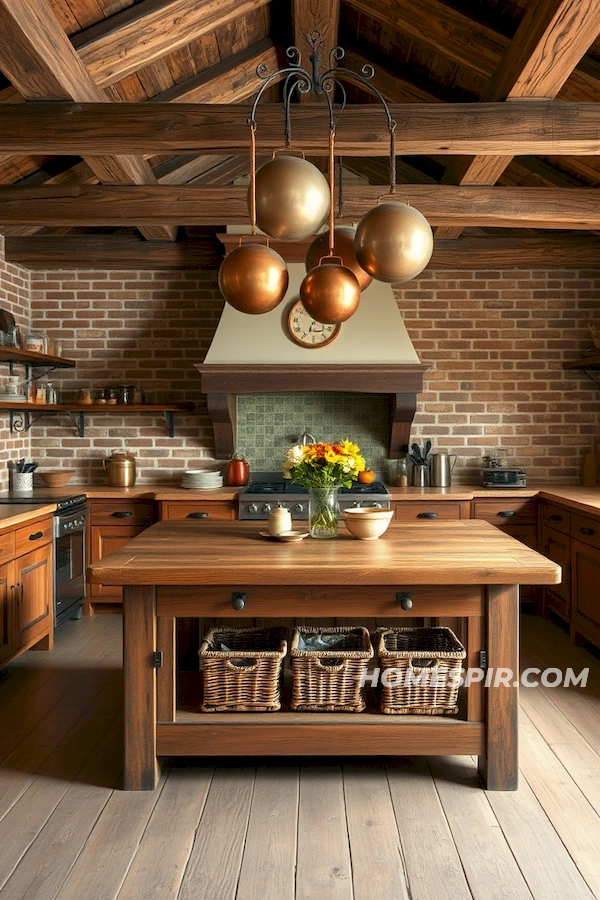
x,y
38,57
143,33
551,39
125,205
517,128
128,252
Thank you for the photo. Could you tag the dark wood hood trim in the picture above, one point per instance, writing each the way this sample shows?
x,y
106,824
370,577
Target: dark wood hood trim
x,y
401,383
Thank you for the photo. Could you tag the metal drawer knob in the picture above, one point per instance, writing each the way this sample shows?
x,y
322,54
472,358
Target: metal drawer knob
x,y
121,515
427,515
238,600
404,599
197,515
36,535
507,513
587,531
556,518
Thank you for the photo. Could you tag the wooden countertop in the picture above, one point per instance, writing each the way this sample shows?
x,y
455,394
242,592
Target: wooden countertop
x,y
14,514
198,552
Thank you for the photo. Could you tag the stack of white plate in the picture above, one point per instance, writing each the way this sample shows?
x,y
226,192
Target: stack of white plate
x,y
201,480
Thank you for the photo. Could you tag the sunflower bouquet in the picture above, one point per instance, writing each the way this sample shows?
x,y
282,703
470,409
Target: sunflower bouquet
x,y
324,465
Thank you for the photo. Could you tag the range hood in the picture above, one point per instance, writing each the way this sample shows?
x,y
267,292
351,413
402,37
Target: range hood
x,y
373,354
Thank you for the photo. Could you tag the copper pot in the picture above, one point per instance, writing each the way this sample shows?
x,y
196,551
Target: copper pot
x,y
343,246
330,293
253,278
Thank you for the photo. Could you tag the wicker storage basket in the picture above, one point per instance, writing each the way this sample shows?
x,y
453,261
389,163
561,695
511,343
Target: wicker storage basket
x,y
428,663
242,669
328,680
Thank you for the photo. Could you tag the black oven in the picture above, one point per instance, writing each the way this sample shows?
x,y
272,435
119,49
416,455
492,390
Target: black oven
x,y
69,561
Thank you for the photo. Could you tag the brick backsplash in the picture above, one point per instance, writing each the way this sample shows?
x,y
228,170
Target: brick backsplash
x,y
495,342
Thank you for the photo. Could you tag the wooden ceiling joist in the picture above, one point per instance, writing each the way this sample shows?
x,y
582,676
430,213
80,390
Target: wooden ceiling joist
x,y
147,31
129,252
550,41
38,57
95,129
100,205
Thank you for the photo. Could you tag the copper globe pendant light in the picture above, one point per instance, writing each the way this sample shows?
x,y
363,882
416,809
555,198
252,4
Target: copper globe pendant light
x,y
330,293
343,246
393,241
253,278
292,198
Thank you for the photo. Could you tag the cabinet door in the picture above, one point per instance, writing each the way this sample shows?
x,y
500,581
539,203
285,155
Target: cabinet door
x,y
528,535
7,601
103,540
34,605
586,597
556,546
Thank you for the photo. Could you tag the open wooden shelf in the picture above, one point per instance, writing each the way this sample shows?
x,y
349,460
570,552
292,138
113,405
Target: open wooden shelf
x,y
29,358
22,413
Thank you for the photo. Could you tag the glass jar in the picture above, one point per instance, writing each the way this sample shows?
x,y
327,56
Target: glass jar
x,y
85,397
40,392
111,396
126,392
34,343
51,393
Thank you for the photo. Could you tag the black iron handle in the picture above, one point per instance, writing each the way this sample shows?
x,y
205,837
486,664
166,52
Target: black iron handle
x,y
587,531
556,518
427,515
404,599
121,515
238,599
507,513
197,515
36,535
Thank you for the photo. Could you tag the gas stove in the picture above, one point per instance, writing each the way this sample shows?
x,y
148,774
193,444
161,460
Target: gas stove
x,y
263,494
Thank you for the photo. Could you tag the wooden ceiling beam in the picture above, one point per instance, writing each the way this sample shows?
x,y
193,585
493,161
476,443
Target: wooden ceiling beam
x,y
120,205
95,129
147,31
129,252
551,39
39,59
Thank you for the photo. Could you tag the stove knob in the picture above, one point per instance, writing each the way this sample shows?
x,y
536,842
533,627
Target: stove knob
x,y
377,506
252,508
299,507
266,507
356,504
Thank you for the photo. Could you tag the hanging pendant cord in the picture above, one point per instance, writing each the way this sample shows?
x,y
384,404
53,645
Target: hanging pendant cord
x,y
392,127
253,176
331,186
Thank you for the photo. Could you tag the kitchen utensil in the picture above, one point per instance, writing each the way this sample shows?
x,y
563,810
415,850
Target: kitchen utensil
x,y
419,475
589,470
120,467
367,524
441,465
21,482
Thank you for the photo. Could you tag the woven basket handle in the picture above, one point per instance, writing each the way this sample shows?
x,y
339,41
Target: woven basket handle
x,y
430,663
244,665
331,667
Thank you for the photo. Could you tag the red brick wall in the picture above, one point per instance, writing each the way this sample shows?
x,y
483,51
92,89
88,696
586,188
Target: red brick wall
x,y
141,328
496,342
14,297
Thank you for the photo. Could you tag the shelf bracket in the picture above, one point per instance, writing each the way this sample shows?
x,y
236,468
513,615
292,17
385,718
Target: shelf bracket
x,y
78,420
20,421
592,374
170,420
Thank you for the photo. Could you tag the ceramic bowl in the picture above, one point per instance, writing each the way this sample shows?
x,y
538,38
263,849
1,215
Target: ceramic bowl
x,y
56,477
367,524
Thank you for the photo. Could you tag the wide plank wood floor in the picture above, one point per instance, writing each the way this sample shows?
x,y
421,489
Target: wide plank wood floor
x,y
365,829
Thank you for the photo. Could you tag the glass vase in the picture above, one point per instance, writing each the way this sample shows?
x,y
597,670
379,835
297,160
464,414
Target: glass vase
x,y
323,511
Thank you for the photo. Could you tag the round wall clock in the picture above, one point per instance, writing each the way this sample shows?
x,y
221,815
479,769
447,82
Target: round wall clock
x,y
306,331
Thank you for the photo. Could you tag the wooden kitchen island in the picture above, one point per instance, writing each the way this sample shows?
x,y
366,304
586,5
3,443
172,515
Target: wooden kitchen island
x,y
467,569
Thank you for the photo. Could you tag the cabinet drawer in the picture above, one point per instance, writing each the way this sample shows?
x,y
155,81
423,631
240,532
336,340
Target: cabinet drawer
x,y
197,509
30,537
435,510
7,547
586,530
505,512
122,512
556,517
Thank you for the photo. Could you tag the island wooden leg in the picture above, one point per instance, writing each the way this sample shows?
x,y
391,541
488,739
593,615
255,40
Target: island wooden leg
x,y
500,767
139,643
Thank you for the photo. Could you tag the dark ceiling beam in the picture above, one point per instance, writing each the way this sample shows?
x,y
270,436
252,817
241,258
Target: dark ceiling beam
x,y
123,205
147,31
550,40
520,127
130,252
37,56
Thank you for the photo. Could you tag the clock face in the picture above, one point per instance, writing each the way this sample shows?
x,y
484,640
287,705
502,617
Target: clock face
x,y
306,331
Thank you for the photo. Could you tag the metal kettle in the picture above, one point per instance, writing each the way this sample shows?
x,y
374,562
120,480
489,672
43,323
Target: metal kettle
x,y
441,466
120,468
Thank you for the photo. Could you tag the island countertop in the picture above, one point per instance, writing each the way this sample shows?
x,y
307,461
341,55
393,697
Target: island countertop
x,y
182,552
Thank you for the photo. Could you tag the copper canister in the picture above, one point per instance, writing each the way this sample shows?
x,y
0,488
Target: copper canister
x,y
120,468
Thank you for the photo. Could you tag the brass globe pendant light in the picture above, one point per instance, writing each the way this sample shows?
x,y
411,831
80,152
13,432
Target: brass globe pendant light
x,y
253,278
330,293
343,246
393,242
292,198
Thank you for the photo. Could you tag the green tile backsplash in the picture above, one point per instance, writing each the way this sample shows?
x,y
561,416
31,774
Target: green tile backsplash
x,y
267,424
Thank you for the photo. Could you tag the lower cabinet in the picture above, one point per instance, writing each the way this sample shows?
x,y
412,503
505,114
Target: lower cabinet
x,y
26,589
585,578
112,524
557,597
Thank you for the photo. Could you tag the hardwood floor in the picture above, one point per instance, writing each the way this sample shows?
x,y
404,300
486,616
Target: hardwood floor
x,y
409,828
